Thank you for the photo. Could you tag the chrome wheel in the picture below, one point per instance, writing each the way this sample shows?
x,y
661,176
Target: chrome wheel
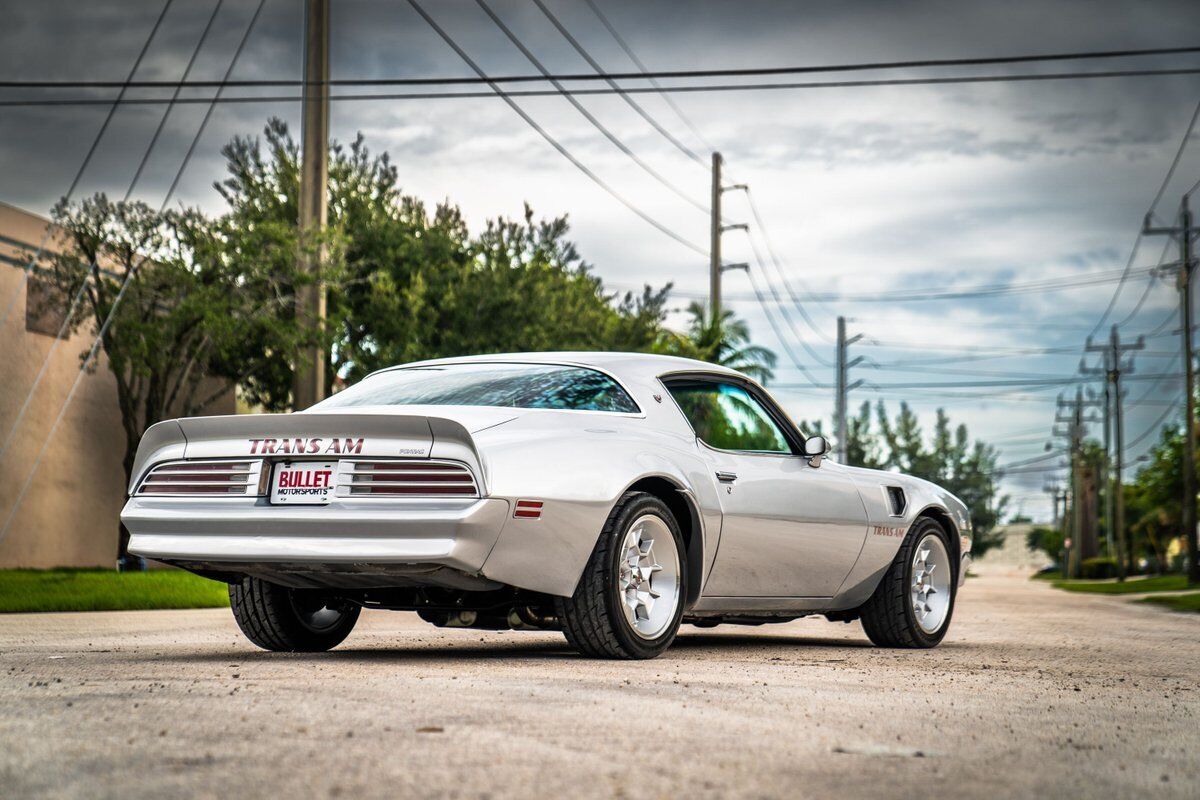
x,y
930,590
648,576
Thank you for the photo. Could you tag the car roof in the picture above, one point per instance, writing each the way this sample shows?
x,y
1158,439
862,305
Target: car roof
x,y
623,366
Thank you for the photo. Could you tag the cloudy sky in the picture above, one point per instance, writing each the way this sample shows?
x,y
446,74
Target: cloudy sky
x,y
862,190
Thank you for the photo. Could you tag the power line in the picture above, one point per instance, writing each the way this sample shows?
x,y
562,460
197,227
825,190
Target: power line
x,y
1168,411
637,107
562,150
87,159
68,319
175,96
1149,213
1175,161
986,290
783,309
1035,459
120,296
643,74
1027,384
685,89
779,334
762,228
1145,294
591,118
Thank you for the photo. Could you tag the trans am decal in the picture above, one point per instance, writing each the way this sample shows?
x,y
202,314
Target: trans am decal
x,y
305,446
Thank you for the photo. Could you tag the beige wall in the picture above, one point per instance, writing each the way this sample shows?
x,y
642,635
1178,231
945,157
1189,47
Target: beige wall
x,y
69,514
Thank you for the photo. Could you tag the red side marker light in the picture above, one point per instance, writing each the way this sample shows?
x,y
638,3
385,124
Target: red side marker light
x,y
528,509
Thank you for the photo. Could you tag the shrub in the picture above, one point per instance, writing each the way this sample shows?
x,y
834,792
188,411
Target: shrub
x,y
1100,567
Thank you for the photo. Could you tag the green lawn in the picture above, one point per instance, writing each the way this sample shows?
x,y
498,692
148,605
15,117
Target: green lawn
x,y
1159,583
1177,602
106,590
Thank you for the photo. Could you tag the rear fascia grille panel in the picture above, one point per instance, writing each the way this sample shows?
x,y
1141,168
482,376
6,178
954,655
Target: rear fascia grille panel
x,y
234,478
356,479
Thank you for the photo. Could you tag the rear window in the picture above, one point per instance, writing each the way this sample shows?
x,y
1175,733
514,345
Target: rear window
x,y
503,385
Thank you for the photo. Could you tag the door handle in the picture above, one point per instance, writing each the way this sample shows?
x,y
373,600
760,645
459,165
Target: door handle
x,y
727,477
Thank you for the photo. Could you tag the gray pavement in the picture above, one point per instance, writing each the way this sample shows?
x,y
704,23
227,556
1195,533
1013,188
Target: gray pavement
x,y
1034,693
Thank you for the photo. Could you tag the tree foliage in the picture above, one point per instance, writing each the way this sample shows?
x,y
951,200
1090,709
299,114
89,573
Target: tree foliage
x,y
417,284
725,341
1048,540
1154,499
184,318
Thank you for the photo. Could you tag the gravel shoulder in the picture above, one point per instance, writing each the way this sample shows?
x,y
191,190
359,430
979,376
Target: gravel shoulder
x,y
1035,692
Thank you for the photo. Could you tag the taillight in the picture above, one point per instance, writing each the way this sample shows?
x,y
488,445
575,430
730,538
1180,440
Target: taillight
x,y
409,479
216,478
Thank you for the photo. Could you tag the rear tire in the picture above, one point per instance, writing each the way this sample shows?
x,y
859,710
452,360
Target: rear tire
x,y
913,604
629,601
290,620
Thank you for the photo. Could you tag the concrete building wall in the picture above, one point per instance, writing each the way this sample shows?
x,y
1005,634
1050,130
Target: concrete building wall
x,y
69,515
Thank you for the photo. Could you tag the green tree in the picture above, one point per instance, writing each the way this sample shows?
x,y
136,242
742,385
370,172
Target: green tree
x,y
1048,540
1153,500
191,322
724,341
417,284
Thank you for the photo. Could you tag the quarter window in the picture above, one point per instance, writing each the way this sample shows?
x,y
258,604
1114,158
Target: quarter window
x,y
728,417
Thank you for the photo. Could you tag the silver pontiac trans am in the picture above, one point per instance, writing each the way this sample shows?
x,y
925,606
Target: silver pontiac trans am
x,y
612,496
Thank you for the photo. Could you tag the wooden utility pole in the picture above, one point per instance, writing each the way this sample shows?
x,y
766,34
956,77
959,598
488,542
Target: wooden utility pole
x,y
309,379
715,266
714,246
1113,367
1185,234
1075,432
843,388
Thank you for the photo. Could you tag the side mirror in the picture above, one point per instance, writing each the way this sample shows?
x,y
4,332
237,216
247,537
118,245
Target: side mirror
x,y
816,448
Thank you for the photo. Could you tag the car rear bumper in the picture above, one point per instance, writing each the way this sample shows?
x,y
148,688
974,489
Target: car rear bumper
x,y
454,533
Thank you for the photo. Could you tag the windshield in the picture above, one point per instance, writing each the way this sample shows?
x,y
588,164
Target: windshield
x,y
503,385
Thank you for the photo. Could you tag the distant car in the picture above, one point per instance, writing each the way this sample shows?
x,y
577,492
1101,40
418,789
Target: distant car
x,y
611,496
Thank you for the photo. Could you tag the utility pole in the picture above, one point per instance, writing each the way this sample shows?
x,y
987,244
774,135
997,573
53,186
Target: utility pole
x,y
717,227
1106,472
843,367
1113,367
309,380
1185,234
1056,495
714,246
1075,431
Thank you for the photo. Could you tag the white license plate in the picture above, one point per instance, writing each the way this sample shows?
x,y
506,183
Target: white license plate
x,y
303,483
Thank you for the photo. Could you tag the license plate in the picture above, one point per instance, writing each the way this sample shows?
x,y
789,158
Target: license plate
x,y
305,483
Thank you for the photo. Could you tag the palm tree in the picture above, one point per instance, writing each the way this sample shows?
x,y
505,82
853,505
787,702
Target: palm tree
x,y
724,341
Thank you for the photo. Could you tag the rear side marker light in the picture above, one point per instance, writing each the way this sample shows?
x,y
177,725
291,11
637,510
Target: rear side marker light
x,y
528,509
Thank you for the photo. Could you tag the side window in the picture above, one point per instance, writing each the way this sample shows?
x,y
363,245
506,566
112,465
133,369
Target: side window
x,y
728,417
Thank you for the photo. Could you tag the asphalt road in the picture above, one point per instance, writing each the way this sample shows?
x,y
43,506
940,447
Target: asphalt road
x,y
1034,693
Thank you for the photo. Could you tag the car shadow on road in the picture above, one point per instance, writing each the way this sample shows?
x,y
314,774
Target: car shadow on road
x,y
688,646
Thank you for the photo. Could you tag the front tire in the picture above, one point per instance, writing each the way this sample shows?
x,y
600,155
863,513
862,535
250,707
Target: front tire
x,y
290,620
913,603
629,602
